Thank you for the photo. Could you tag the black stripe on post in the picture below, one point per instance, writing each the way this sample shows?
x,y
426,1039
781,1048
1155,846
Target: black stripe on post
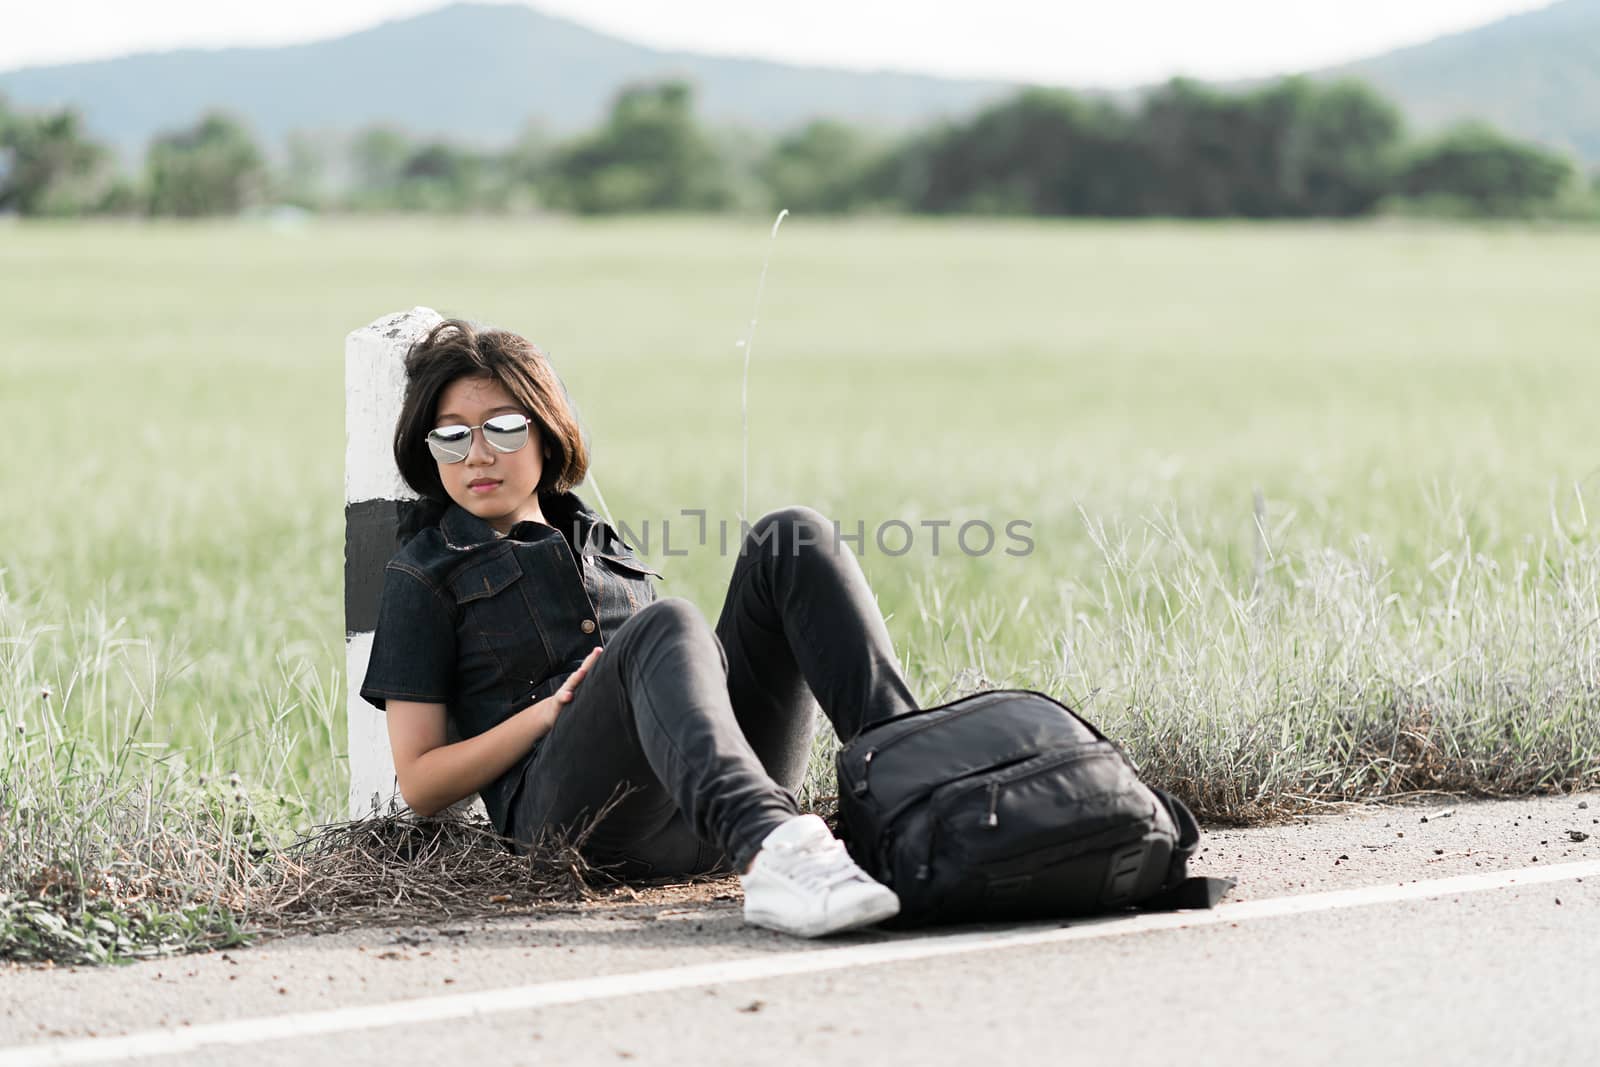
x,y
371,530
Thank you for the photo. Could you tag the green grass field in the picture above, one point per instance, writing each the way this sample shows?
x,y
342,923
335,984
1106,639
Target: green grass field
x,y
1412,403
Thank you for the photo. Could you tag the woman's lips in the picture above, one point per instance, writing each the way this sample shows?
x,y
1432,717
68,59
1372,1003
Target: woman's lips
x,y
483,487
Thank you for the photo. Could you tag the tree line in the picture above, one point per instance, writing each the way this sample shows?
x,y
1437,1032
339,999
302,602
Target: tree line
x,y
1295,148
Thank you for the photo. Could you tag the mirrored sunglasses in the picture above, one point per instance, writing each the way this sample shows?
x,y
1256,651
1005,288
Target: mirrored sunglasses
x,y
503,433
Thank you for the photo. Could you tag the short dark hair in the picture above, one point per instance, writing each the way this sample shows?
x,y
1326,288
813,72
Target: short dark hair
x,y
456,348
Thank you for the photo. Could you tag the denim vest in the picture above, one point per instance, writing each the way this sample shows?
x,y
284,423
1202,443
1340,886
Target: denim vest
x,y
488,625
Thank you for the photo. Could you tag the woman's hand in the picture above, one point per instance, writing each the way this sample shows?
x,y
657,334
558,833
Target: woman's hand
x,y
549,709
437,774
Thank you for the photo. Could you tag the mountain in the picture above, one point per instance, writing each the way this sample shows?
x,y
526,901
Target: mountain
x,y
477,72
474,72
1535,75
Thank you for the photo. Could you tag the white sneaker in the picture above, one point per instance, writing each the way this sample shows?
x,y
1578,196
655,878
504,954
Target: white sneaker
x,y
803,882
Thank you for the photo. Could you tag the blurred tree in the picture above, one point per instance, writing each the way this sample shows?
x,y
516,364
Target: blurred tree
x,y
377,154
303,181
1485,170
1043,152
47,164
1294,148
212,168
440,176
526,164
1210,152
436,161
741,152
648,156
529,158
822,167
393,173
1340,155
121,197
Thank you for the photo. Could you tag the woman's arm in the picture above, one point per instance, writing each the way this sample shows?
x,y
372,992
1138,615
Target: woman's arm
x,y
433,774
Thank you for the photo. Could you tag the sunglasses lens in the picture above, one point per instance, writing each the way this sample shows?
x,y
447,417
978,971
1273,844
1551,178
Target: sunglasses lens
x,y
450,444
506,432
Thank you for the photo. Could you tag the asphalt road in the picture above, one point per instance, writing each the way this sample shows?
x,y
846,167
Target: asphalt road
x,y
1505,975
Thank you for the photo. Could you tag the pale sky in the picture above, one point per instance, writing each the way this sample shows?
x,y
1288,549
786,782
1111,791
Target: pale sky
x,y
1109,43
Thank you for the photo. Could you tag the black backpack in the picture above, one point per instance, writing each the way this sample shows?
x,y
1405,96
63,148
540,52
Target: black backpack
x,y
1006,804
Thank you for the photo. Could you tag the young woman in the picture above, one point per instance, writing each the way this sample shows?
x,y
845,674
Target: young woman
x,y
495,613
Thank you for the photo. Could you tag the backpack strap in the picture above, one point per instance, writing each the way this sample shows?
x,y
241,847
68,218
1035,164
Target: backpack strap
x,y
1180,890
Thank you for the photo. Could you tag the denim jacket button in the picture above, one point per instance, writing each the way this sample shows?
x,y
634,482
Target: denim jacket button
x,y
587,626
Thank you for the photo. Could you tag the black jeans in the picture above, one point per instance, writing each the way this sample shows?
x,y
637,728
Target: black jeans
x,y
713,729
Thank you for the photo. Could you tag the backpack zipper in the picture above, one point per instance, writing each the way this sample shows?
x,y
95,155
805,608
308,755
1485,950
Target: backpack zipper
x,y
1069,754
925,868
860,787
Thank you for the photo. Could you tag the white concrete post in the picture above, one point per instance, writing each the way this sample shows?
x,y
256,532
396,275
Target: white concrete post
x,y
375,499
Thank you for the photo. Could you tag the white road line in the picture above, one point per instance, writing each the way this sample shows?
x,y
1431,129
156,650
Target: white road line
x,y
167,1042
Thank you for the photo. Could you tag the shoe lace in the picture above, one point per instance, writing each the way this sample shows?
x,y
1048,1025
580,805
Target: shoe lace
x,y
822,864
